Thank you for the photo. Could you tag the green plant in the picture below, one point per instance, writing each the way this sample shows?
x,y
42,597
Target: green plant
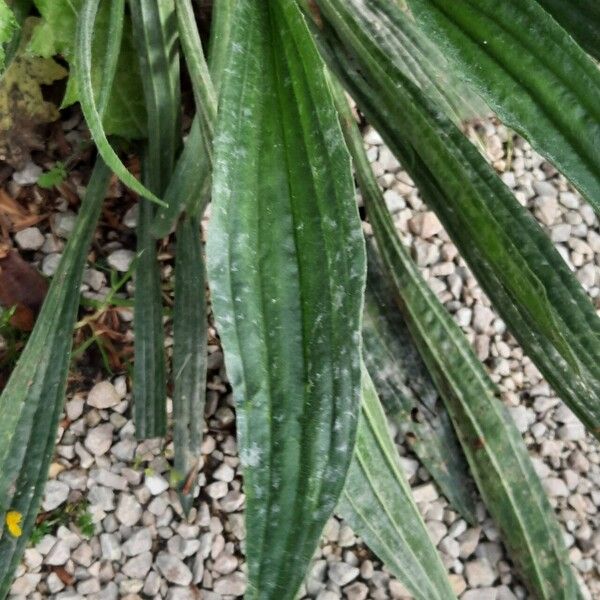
x,y
272,145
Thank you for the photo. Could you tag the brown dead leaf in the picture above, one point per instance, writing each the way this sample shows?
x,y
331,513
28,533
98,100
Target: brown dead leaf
x,y
15,217
21,286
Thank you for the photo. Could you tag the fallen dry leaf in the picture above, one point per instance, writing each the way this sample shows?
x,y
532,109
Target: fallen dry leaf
x,y
20,286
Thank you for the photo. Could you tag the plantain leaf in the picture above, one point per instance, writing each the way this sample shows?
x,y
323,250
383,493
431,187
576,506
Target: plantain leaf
x,y
531,73
494,449
378,505
189,188
83,64
581,18
408,395
286,271
125,112
515,262
401,379
32,400
189,356
155,33
204,93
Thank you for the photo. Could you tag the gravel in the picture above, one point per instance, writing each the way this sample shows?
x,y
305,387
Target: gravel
x,y
143,545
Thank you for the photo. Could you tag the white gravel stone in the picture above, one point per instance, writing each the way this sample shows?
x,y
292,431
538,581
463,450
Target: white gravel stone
x,y
342,574
121,260
555,487
129,510
99,439
29,238
138,566
28,175
139,541
55,494
231,585
103,395
479,573
425,493
50,264
156,484
224,473
574,431
63,223
59,554
173,569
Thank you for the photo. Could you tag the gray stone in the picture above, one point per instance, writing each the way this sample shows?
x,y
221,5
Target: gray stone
x,y
121,260
59,554
110,546
225,563
425,493
231,585
50,264
156,484
479,573
138,566
480,594
103,395
99,439
128,510
224,473
574,431
342,574
138,542
357,591
55,493
29,238
555,487
28,175
63,223
173,569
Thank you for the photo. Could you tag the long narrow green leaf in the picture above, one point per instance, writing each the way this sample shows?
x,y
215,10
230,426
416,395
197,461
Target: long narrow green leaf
x,y
189,188
400,377
286,270
219,39
581,18
409,397
32,400
531,73
189,356
155,32
111,56
378,505
494,449
514,261
83,66
204,93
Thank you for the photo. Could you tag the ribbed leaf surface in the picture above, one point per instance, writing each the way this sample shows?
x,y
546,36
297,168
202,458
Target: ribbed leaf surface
x,y
286,270
32,400
93,112
408,395
514,261
531,73
581,18
189,356
378,505
155,33
494,449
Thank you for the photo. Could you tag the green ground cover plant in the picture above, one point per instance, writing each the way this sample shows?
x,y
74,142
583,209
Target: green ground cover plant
x,y
318,353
